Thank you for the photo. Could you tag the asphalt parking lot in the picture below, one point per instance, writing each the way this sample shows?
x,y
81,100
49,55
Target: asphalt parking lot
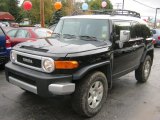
x,y
127,100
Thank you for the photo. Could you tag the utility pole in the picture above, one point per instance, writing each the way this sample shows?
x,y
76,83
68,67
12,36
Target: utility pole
x,y
155,22
42,13
123,5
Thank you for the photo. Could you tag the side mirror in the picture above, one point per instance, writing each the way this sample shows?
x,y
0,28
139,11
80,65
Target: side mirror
x,y
124,36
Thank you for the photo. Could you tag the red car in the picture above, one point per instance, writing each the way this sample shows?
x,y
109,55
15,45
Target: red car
x,y
24,34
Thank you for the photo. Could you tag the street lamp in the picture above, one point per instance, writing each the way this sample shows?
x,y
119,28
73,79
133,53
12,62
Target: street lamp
x,y
155,22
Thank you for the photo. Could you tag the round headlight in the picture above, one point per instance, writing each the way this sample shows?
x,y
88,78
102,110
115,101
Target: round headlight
x,y
13,56
48,65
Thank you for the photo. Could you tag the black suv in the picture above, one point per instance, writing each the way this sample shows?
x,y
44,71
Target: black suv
x,y
82,58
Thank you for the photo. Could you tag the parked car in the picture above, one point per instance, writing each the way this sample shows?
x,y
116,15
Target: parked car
x,y
156,36
23,34
85,54
5,47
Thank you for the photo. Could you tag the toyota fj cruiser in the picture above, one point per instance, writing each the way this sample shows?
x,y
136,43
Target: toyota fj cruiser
x,y
83,56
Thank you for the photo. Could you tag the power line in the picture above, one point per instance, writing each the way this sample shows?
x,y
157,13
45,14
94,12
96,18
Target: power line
x,y
144,4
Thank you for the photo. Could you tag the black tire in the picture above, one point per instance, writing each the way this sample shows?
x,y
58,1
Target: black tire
x,y
140,72
81,94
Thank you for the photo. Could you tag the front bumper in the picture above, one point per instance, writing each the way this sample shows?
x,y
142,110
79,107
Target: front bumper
x,y
40,83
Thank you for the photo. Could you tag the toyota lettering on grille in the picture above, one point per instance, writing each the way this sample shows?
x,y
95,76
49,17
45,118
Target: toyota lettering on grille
x,y
27,60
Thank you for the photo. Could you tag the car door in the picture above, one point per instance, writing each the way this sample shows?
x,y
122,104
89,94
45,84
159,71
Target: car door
x,y
138,44
124,53
2,40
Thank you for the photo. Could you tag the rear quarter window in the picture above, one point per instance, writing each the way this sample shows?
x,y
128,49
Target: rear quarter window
x,y
140,30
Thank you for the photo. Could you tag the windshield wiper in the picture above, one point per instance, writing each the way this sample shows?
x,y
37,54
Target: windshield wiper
x,y
68,36
86,37
57,34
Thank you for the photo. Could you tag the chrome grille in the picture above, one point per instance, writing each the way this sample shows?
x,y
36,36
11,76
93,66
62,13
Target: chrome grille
x,y
28,60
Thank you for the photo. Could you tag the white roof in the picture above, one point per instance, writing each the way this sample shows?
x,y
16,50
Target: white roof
x,y
115,17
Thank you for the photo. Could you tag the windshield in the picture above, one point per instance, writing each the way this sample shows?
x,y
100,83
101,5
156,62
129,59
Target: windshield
x,y
90,29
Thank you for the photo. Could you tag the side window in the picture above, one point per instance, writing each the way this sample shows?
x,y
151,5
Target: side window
x,y
22,34
140,30
1,32
134,29
121,25
12,33
147,32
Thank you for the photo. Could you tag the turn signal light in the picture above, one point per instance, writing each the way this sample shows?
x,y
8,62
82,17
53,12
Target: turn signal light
x,y
66,64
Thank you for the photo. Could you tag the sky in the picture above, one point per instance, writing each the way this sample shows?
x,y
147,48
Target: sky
x,y
144,11
21,1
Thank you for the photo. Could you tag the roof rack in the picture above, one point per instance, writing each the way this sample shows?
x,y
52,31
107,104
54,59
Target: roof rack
x,y
108,12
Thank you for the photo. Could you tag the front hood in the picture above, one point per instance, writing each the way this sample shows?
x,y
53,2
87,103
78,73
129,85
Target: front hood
x,y
66,46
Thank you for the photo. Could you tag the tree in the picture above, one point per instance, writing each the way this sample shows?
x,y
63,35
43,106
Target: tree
x,y
48,10
67,9
56,17
3,6
11,6
14,9
34,13
96,5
